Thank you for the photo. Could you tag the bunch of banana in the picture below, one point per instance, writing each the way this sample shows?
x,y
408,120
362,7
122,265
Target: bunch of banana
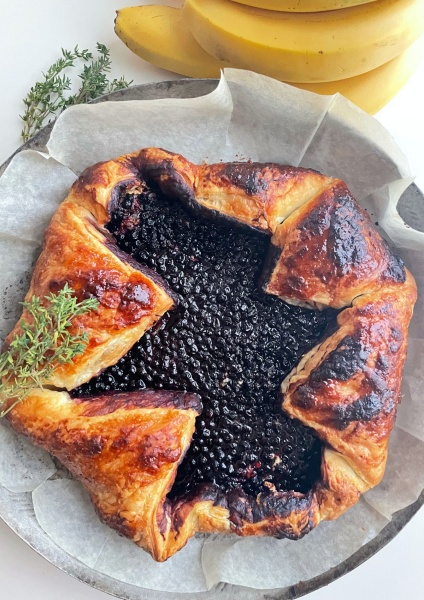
x,y
364,49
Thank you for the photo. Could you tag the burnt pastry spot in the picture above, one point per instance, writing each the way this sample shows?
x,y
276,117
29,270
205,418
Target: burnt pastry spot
x,y
348,358
349,236
362,409
226,341
346,235
243,176
395,269
91,446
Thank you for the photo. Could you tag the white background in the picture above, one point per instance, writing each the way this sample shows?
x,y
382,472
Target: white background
x,y
32,33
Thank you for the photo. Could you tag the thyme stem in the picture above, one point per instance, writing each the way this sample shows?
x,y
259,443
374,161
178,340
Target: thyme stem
x,y
49,97
43,343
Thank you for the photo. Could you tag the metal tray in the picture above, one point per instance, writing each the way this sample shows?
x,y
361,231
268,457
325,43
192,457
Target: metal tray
x,y
17,509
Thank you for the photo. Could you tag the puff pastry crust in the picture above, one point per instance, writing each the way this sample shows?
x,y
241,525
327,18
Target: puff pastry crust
x,y
324,252
79,252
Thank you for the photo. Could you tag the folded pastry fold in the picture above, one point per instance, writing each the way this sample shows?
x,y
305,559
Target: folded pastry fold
x,y
347,389
255,194
99,187
327,252
78,252
126,447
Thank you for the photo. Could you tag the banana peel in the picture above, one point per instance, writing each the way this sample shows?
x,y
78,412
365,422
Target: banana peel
x,y
306,47
160,35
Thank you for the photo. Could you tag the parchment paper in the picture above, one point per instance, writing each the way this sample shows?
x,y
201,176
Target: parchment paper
x,y
248,116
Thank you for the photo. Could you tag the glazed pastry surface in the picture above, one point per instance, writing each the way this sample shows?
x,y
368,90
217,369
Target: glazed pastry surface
x,y
323,252
131,298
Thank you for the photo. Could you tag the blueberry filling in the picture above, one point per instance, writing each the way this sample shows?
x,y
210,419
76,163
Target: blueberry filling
x,y
226,340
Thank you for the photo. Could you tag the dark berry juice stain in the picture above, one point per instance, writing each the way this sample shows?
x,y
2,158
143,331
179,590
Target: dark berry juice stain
x,y
226,340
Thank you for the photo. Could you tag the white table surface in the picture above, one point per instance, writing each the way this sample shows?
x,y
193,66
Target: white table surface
x,y
32,33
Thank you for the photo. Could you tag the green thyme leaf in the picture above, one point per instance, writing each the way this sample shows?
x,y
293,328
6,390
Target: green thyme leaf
x,y
49,97
43,342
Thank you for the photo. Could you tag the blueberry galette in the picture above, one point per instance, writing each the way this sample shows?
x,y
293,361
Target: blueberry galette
x,y
244,364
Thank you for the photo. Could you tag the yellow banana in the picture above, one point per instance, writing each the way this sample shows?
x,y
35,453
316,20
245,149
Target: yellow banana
x,y
374,89
159,34
302,5
306,47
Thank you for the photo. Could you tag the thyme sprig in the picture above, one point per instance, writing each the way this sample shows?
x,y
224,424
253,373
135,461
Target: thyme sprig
x,y
43,343
49,97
